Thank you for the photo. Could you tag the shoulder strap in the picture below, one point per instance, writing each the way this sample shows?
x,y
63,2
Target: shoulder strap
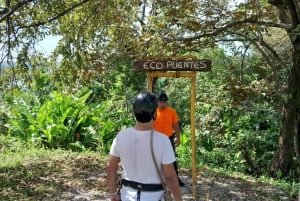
x,y
167,195
155,163
153,157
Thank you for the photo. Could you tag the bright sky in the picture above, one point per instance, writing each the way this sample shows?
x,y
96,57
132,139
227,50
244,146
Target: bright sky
x,y
48,44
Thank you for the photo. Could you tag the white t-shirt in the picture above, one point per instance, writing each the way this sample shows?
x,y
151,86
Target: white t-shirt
x,y
133,148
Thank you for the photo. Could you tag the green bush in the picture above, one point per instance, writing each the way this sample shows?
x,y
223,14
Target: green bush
x,y
245,142
55,122
66,121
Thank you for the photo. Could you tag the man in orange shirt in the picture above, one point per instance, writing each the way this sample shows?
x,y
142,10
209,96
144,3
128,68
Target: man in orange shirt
x,y
167,122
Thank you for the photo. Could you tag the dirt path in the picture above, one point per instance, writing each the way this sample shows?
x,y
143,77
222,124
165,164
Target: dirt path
x,y
82,178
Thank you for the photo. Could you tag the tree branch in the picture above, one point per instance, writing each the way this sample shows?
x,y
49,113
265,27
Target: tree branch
x,y
14,8
277,3
251,20
297,9
142,18
272,24
3,10
269,62
56,17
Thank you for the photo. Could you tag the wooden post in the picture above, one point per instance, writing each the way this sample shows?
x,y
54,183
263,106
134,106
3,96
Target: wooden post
x,y
194,158
149,82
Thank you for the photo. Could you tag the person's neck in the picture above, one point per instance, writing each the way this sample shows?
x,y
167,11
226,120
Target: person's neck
x,y
162,108
144,126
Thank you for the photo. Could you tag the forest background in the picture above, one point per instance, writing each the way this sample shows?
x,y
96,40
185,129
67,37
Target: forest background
x,y
79,96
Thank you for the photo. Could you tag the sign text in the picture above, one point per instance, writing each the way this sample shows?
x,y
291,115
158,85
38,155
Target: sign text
x,y
173,65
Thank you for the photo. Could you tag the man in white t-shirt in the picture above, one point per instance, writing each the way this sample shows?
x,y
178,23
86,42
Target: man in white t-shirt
x,y
131,147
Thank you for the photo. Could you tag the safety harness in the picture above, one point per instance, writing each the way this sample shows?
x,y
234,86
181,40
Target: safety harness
x,y
142,187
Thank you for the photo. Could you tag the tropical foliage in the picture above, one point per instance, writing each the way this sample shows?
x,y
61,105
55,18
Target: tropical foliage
x,y
64,121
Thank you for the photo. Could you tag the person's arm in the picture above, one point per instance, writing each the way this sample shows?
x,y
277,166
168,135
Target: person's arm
x,y
176,128
111,170
172,181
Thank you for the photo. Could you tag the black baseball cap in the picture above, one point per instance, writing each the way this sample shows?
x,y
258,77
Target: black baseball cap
x,y
163,97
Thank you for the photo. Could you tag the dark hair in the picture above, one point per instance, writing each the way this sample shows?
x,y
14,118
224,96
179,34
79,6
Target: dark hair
x,y
163,97
144,106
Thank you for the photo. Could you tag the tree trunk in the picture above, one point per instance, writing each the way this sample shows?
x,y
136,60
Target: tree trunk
x,y
283,159
297,138
289,13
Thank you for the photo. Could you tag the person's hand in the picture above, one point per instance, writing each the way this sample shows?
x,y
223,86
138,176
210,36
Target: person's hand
x,y
177,141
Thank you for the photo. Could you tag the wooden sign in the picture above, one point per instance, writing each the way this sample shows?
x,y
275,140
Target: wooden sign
x,y
173,64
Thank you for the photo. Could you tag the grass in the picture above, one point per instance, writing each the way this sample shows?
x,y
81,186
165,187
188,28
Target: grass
x,y
291,187
29,173
185,159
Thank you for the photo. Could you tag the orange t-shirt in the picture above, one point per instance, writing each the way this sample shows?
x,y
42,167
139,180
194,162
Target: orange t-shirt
x,y
164,120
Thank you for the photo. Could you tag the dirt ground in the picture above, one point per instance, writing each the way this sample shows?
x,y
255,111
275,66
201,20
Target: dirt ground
x,y
82,178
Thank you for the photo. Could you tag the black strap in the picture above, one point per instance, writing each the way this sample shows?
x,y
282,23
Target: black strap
x,y
142,187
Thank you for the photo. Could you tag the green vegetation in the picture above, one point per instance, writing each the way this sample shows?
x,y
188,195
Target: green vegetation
x,y
236,132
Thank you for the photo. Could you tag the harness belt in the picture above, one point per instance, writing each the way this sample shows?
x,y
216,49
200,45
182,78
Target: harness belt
x,y
142,187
